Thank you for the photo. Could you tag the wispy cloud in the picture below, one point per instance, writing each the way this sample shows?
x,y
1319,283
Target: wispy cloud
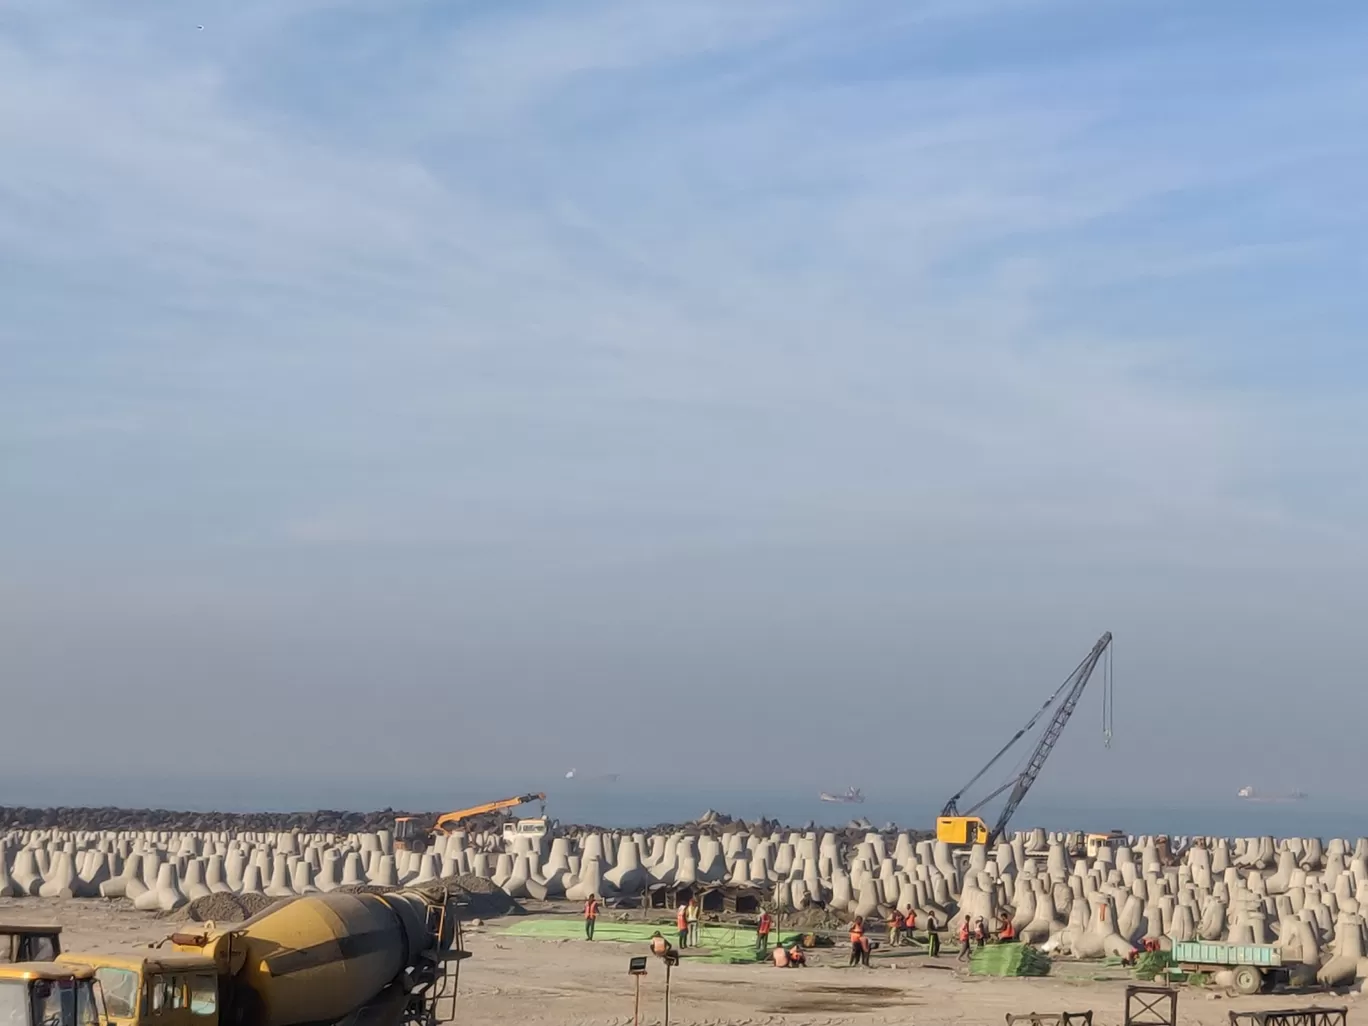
x,y
694,277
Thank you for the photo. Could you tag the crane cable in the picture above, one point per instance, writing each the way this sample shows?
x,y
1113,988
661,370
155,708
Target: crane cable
x,y
1108,697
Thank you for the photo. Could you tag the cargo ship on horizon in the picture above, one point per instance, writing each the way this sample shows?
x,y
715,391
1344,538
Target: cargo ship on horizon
x,y
853,796
1249,794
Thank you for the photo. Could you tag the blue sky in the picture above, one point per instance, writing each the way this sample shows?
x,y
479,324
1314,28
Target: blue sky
x,y
550,370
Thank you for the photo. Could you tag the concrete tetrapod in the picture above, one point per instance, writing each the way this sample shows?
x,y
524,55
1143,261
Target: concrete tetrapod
x,y
629,877
1344,967
589,882
353,873
302,878
279,886
193,885
214,877
60,880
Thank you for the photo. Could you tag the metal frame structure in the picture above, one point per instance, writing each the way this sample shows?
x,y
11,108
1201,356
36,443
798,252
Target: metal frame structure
x,y
1145,1006
1311,1016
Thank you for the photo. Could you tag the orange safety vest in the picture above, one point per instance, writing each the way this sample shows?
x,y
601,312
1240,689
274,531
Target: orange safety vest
x,y
856,933
659,945
681,918
1008,931
895,921
591,909
963,932
764,928
911,921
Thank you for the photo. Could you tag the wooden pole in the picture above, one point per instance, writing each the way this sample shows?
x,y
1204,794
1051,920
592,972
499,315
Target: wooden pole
x,y
667,994
636,1007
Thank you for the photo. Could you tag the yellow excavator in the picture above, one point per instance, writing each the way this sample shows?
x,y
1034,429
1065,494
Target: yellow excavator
x,y
965,828
410,836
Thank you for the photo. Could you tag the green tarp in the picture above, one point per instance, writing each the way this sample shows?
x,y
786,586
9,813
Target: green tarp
x,y
718,942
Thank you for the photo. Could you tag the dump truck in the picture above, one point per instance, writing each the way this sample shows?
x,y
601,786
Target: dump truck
x,y
322,960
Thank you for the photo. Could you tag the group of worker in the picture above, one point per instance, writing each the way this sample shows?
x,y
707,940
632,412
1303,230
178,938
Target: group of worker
x,y
975,933
901,930
687,918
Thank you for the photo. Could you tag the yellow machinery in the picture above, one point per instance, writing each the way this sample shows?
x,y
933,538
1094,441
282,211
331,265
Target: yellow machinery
x,y
954,827
961,830
408,835
48,994
352,959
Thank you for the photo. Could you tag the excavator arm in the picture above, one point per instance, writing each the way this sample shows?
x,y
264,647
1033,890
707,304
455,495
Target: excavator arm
x,y
448,820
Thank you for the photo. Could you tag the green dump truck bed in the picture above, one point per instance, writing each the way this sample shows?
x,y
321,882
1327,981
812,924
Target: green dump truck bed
x,y
1220,953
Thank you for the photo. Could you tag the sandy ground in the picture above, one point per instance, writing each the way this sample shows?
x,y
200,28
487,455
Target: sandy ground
x,y
524,980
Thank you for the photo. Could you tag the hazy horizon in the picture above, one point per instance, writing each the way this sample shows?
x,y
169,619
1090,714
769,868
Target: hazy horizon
x,y
739,397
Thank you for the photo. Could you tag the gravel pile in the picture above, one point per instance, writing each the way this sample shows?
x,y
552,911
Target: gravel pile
x,y
483,898
221,908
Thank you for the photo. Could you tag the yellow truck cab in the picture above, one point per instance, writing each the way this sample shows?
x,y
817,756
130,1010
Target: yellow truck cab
x,y
48,994
158,989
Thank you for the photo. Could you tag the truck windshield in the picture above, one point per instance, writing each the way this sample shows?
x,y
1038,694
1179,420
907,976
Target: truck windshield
x,y
87,1011
13,1003
120,988
54,1003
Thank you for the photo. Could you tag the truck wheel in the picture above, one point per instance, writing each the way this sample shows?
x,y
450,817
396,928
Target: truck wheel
x,y
1248,980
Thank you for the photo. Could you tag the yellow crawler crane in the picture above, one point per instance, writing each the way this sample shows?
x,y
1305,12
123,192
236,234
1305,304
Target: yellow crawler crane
x,y
958,828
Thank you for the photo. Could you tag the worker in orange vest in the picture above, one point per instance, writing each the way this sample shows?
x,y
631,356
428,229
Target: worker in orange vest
x,y
659,945
762,932
859,944
964,934
1008,932
910,923
590,916
682,924
895,928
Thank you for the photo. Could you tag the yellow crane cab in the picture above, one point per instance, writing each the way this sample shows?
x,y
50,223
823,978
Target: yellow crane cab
x,y
961,830
48,994
160,989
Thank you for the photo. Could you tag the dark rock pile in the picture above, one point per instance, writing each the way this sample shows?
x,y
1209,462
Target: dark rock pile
x,y
108,818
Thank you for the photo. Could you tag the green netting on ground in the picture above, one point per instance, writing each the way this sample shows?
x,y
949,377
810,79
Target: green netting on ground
x,y
1152,964
1009,960
718,942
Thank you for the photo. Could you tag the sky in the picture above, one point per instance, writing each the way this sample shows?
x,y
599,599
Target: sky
x,y
781,394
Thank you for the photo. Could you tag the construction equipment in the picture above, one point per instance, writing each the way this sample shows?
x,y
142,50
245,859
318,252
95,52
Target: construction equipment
x,y
410,836
964,828
345,959
29,942
48,994
1255,967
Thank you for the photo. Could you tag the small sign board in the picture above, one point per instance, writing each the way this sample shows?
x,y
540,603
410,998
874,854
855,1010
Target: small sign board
x,y
637,966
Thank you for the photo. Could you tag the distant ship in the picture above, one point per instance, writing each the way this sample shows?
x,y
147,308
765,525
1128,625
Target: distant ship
x,y
853,796
1249,794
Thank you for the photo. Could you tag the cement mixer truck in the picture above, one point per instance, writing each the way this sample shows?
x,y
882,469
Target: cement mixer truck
x,y
321,960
